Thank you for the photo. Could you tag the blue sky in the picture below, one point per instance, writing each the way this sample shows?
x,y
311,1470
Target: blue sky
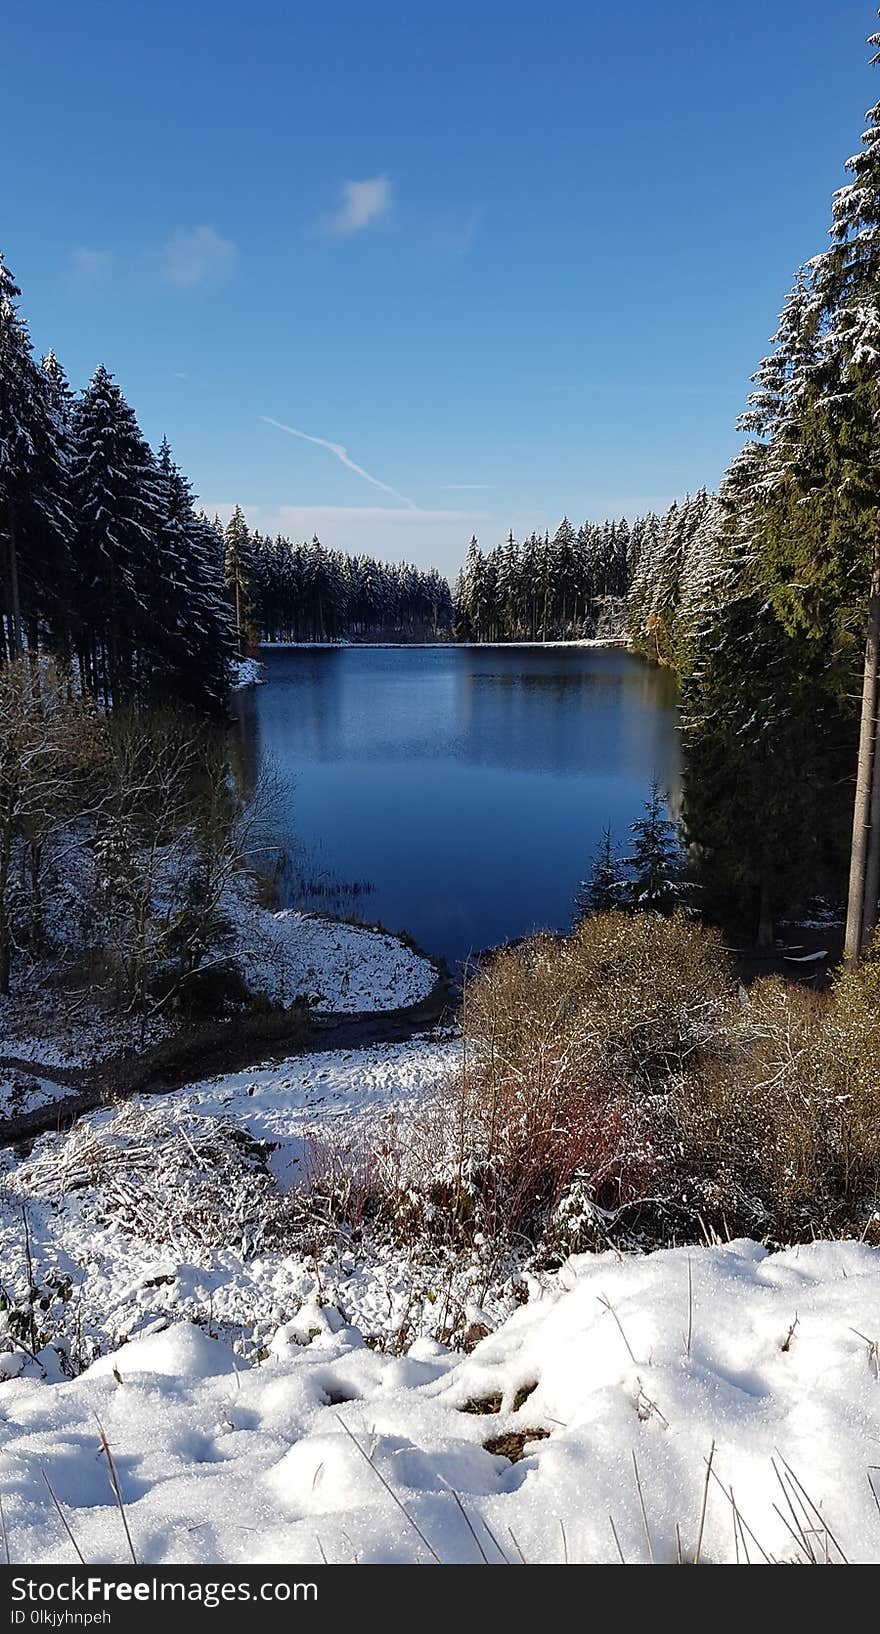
x,y
515,259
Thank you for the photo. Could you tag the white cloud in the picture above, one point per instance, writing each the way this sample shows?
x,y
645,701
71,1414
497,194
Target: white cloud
x,y
197,255
91,266
360,204
342,455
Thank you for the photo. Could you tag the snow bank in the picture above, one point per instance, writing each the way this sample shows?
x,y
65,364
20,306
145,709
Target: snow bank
x,y
609,1415
43,1033
338,966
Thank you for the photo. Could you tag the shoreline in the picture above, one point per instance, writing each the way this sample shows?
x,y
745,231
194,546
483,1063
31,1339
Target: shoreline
x,y
620,642
229,1043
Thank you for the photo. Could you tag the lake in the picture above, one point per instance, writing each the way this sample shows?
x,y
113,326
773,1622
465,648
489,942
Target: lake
x,y
456,793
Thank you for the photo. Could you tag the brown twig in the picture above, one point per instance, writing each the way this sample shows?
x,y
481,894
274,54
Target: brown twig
x,y
117,1492
63,1518
705,1501
643,1509
391,1492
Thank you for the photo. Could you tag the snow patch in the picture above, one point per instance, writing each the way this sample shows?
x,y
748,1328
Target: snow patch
x,y
337,966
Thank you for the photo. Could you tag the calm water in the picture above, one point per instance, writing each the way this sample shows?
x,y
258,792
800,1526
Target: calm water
x,y
468,786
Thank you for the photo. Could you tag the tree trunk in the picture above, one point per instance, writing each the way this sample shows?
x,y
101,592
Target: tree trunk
x,y
36,860
765,916
864,820
871,910
15,642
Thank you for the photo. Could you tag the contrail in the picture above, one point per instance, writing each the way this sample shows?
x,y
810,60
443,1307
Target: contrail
x,y
342,455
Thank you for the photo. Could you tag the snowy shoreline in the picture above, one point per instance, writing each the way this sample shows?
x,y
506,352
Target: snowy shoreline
x,y
231,1367
622,643
248,672
340,968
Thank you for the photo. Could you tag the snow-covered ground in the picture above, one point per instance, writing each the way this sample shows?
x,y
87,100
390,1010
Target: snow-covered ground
x,y
283,955
338,966
581,1430
121,1208
257,1395
40,1027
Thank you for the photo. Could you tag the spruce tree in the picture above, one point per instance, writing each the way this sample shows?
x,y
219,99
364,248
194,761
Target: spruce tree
x,y
33,514
655,865
238,576
605,889
193,640
117,499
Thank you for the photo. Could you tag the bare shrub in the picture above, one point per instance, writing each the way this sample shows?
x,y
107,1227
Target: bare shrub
x,y
563,1038
785,1132
632,998
50,743
172,834
615,1087
656,994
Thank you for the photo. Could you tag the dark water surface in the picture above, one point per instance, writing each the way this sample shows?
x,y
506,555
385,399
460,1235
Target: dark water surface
x,y
468,787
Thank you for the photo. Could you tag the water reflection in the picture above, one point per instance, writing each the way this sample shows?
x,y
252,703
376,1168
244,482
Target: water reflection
x,y
469,785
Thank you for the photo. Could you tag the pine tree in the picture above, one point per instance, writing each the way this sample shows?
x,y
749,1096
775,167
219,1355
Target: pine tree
x,y
33,515
816,406
238,573
605,889
117,500
193,641
56,589
844,285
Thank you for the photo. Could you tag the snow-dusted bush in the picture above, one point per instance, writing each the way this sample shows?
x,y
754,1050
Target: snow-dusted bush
x,y
185,1182
33,1313
615,1086
783,1137
626,999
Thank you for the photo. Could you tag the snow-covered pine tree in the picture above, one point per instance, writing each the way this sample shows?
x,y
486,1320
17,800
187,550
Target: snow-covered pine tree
x,y
193,641
238,572
34,519
118,508
844,287
815,408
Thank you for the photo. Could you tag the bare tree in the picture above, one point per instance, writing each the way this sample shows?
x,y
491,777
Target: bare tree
x,y
864,878
49,742
172,832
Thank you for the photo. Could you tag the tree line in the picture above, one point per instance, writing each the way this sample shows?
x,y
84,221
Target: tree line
x,y
574,583
290,590
549,587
